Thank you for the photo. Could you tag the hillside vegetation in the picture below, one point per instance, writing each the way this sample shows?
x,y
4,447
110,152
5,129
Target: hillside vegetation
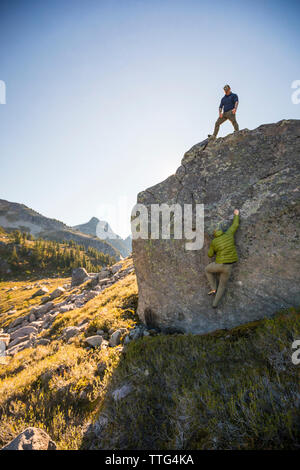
x,y
23,255
234,389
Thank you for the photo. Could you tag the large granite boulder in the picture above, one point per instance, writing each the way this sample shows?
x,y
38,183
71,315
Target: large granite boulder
x,y
256,171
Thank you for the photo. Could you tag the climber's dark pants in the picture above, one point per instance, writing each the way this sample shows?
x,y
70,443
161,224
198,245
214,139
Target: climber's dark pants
x,y
225,271
228,115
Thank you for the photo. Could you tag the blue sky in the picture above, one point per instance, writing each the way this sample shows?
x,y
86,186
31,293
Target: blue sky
x,y
104,97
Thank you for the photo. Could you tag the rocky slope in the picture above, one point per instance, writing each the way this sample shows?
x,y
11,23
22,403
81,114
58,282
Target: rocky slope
x,y
18,216
101,229
256,171
79,371
28,330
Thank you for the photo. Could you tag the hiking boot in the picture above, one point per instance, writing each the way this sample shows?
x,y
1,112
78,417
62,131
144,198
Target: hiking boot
x,y
211,137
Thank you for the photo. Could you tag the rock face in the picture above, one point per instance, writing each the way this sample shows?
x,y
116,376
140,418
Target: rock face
x,y
31,439
256,171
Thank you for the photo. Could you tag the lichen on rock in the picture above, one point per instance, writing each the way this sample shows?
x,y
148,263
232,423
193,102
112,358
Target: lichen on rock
x,y
256,171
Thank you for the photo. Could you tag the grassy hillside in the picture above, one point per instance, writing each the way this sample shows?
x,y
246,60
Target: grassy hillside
x,y
22,255
233,389
229,390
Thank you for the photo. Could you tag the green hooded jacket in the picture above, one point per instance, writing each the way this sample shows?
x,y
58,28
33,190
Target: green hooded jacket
x,y
223,244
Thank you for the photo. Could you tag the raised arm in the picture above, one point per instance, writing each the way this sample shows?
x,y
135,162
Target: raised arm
x,y
233,228
211,250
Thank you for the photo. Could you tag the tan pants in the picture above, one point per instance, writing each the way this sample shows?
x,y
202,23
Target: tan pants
x,y
224,270
228,115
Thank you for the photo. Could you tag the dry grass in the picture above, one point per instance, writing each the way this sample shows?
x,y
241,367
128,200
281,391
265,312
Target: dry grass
x,y
60,386
233,389
20,299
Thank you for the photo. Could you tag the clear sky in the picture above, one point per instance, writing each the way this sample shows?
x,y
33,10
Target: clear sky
x,y
103,97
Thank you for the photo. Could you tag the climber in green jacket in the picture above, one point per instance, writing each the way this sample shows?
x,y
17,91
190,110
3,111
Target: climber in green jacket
x,y
223,247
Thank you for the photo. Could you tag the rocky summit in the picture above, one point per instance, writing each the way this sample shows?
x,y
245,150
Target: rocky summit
x,y
256,171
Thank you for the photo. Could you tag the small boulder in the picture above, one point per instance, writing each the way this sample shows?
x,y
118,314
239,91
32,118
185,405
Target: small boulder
x,y
79,275
31,439
19,347
70,331
66,308
94,341
18,340
57,293
43,309
32,317
43,342
24,331
41,291
16,322
115,338
116,267
105,273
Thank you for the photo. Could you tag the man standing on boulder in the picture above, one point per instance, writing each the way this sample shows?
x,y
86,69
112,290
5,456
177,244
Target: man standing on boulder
x,y
227,110
223,247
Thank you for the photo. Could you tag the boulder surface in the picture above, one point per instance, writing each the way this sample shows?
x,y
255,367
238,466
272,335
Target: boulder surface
x,y
31,439
256,171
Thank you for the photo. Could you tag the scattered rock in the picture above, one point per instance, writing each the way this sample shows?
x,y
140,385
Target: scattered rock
x,y
41,291
66,308
24,331
20,339
19,347
105,273
79,275
94,341
90,295
43,341
135,333
116,267
32,317
115,338
16,322
31,439
43,309
57,293
70,331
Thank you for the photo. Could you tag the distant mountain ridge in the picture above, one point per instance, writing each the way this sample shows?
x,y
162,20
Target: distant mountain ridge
x,y
15,216
103,230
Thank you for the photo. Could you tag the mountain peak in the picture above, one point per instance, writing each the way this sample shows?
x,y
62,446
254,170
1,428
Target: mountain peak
x,y
93,220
